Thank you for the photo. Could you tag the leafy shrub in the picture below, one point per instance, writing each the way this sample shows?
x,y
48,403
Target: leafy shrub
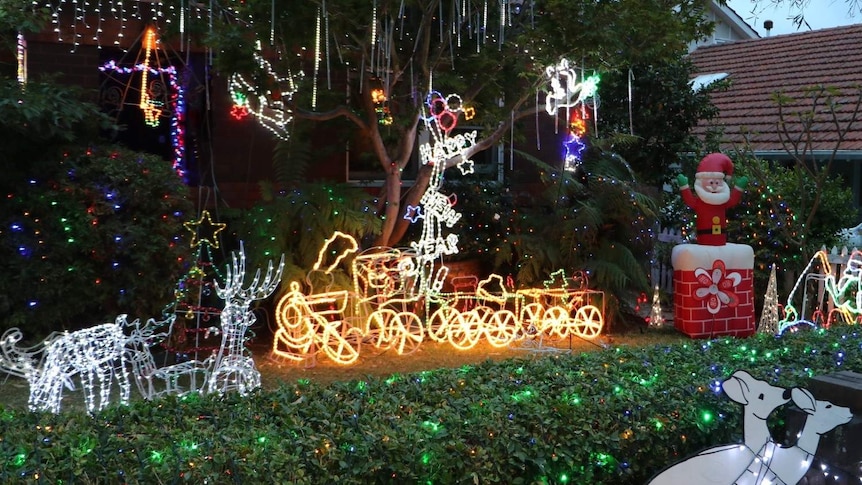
x,y
97,235
296,222
613,416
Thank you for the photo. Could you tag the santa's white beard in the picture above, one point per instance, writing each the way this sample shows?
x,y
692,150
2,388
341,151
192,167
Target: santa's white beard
x,y
712,198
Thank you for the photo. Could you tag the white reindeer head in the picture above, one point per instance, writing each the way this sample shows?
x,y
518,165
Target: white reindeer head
x,y
823,416
759,397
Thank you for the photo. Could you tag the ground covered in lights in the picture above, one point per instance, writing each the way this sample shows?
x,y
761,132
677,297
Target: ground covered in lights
x,y
429,356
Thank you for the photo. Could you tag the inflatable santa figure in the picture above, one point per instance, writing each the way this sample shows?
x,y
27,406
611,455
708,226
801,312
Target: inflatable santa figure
x,y
713,199
713,280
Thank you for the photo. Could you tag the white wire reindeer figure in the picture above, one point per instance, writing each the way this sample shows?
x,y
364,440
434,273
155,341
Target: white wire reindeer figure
x,y
95,355
233,368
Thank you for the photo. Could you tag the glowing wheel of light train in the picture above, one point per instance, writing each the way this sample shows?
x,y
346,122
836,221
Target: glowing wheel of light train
x,y
588,322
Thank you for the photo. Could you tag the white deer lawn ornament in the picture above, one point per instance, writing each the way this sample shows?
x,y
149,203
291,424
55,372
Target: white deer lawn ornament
x,y
233,369
144,368
94,354
725,463
787,465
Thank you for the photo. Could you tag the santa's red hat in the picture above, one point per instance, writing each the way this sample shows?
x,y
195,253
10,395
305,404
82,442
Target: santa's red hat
x,y
715,165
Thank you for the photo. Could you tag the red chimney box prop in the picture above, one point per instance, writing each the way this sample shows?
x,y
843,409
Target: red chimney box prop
x,y
713,290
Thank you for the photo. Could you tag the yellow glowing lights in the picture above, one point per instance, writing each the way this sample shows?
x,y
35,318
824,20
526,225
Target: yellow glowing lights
x,y
388,312
147,105
208,227
845,294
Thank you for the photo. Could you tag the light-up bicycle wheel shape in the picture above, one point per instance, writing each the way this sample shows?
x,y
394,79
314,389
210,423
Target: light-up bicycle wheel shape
x,y
402,331
555,321
466,329
340,342
588,322
531,319
440,321
502,328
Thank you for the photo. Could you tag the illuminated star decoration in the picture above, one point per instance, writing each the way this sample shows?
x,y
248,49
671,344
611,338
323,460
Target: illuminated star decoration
x,y
466,167
210,228
557,280
239,110
575,143
414,213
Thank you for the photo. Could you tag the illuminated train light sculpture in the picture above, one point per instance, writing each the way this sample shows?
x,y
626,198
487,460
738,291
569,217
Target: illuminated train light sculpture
x,y
844,293
387,315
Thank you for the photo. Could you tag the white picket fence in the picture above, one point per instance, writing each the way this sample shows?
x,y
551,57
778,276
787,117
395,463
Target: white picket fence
x,y
661,272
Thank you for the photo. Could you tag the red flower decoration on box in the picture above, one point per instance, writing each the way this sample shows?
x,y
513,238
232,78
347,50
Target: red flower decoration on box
x,y
717,286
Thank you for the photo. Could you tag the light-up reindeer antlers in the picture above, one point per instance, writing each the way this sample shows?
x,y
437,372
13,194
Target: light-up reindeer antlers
x,y
257,290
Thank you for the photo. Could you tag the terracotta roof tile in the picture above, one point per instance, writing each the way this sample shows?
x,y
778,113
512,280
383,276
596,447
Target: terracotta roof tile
x,y
790,65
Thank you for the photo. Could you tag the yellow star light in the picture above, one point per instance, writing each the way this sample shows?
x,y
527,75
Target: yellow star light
x,y
211,228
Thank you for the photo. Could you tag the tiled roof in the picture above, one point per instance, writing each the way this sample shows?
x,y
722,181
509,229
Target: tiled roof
x,y
786,64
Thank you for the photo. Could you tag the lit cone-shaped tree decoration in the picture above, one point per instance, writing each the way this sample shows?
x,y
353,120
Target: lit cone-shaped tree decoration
x,y
769,315
656,319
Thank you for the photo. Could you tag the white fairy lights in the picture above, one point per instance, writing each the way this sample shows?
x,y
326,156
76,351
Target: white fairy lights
x,y
94,355
269,107
233,367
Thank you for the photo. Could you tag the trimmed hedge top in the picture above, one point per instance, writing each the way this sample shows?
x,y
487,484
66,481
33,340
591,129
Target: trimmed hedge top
x,y
610,416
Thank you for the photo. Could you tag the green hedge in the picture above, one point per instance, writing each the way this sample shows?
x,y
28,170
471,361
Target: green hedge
x,y
610,416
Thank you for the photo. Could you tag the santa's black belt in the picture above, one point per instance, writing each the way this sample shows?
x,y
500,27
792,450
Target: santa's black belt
x,y
707,231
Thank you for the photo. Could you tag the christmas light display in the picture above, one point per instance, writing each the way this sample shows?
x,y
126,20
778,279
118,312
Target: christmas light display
x,y
575,143
656,316
176,105
310,324
149,106
21,57
438,208
378,97
564,90
233,368
95,355
845,294
206,226
270,106
386,312
769,315
172,378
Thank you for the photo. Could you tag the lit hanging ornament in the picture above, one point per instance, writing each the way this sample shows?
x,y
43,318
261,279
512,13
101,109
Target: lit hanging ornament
x,y
378,97
149,106
21,56
267,101
575,142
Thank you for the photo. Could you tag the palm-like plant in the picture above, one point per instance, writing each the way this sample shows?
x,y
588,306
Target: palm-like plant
x,y
594,220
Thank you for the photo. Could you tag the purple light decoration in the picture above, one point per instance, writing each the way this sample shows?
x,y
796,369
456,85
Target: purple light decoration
x,y
575,147
178,108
